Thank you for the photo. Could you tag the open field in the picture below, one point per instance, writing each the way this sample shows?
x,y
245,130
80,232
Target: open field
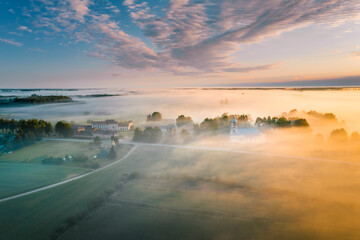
x,y
195,194
191,195
37,215
22,170
20,177
38,151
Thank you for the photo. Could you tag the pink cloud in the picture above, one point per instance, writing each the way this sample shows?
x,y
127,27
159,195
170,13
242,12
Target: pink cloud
x,y
192,37
356,53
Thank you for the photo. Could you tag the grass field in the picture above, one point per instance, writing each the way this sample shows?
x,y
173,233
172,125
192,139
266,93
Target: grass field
x,y
38,215
38,151
22,170
20,177
193,194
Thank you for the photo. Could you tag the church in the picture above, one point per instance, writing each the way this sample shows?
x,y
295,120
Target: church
x,y
245,135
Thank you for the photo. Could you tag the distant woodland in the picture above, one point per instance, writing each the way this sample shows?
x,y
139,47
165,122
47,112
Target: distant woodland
x,y
37,99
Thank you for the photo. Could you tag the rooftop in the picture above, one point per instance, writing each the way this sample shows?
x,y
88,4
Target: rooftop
x,y
109,121
124,124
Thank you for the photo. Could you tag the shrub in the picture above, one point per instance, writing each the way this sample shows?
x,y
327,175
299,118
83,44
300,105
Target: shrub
x,y
80,158
52,160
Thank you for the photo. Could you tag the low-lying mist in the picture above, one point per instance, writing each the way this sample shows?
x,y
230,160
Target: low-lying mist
x,y
197,103
301,182
281,197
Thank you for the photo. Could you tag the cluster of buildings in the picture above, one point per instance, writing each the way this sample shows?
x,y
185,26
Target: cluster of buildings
x,y
103,129
108,128
238,132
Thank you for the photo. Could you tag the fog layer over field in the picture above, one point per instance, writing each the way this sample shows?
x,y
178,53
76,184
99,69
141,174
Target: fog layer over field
x,y
135,104
301,183
223,195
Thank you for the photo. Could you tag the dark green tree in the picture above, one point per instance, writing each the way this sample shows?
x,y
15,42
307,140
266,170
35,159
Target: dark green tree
x,y
115,139
185,135
155,116
137,135
210,124
301,122
339,136
112,153
64,129
283,122
97,141
149,135
182,120
13,125
48,128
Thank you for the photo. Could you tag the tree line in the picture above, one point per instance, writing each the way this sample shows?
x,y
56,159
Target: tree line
x,y
312,114
340,135
148,135
25,132
19,133
219,124
281,122
222,123
185,123
36,99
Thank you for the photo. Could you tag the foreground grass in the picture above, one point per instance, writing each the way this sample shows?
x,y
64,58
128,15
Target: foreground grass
x,y
36,216
201,195
17,178
191,194
22,170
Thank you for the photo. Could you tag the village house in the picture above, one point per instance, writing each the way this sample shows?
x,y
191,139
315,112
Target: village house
x,y
82,130
103,129
125,126
108,128
112,125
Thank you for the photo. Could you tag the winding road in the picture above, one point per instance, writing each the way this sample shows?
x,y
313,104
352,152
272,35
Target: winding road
x,y
66,181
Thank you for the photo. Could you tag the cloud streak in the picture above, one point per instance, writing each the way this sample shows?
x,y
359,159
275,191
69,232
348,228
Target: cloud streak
x,y
12,42
356,53
24,28
189,37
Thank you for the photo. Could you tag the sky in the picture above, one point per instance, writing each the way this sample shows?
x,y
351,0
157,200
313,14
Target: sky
x,y
177,43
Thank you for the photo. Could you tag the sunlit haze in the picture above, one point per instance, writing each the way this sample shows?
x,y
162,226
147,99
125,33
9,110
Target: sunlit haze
x,y
180,119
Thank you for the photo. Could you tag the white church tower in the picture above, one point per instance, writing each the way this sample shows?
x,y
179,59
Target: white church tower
x,y
245,134
233,127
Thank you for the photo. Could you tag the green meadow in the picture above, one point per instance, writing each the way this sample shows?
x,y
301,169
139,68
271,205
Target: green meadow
x,y
191,194
22,170
38,151
21,177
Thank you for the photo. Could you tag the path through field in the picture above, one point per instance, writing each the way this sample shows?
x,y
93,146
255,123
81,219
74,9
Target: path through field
x,y
68,180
